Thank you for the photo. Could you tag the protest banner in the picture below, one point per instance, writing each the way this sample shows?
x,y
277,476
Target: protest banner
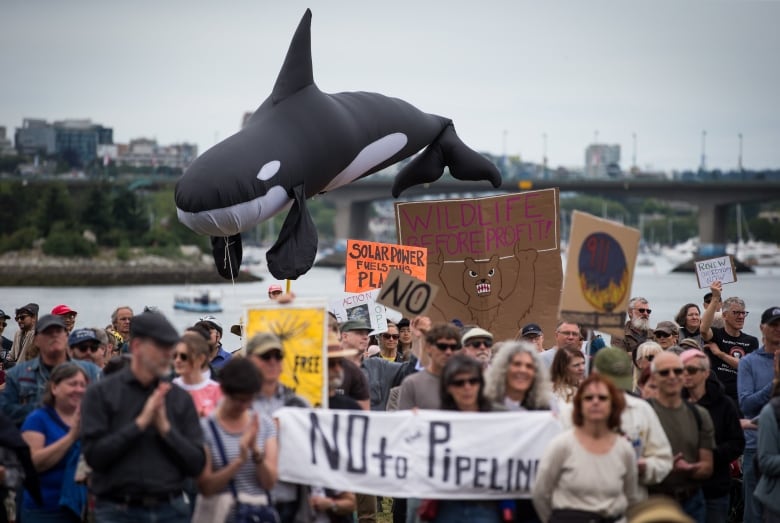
x,y
368,263
406,294
423,454
302,329
496,259
599,272
362,306
720,269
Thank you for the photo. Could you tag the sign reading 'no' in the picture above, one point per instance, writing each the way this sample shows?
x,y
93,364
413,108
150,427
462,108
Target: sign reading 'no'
x,y
406,294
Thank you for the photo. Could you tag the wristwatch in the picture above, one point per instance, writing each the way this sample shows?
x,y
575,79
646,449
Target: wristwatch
x,y
333,507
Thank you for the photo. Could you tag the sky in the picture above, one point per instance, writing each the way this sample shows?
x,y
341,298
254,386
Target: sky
x,y
513,75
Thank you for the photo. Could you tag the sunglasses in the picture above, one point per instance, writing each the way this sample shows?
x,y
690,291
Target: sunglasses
x,y
481,343
273,355
21,317
662,335
692,370
390,336
599,397
462,382
444,346
650,357
183,356
92,347
643,310
665,372
3,324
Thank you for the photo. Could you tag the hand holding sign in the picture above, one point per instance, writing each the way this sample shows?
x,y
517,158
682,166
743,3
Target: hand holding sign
x,y
715,270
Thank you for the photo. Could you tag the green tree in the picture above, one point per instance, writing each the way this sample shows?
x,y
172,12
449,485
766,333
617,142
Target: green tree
x,y
55,205
129,214
97,211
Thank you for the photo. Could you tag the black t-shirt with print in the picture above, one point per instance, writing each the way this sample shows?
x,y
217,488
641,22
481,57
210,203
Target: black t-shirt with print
x,y
737,347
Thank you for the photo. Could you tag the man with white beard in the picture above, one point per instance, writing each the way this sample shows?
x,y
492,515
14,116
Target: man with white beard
x,y
637,329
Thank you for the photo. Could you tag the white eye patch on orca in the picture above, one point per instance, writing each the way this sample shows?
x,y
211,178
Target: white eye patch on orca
x,y
268,170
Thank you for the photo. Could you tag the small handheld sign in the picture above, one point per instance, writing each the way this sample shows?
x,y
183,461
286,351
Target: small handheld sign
x,y
406,294
715,269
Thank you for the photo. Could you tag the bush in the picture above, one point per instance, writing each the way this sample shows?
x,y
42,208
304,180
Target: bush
x,y
68,243
19,240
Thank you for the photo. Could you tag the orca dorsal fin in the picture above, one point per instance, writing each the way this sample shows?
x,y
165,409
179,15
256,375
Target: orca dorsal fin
x,y
296,71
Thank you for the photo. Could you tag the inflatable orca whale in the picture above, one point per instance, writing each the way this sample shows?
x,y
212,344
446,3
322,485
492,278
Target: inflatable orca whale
x,y
301,142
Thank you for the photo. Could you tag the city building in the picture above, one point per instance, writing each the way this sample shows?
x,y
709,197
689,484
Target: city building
x,y
602,161
76,141
145,152
6,147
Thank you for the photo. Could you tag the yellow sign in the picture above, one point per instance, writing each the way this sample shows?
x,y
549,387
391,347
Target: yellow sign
x,y
302,328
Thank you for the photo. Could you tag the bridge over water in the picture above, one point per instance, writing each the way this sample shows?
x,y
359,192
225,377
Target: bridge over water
x,y
712,198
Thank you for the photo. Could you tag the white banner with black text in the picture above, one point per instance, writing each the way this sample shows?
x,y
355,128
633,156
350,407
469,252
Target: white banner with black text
x,y
421,454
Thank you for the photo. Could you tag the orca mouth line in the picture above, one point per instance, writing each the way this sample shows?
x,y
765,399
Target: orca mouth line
x,y
228,221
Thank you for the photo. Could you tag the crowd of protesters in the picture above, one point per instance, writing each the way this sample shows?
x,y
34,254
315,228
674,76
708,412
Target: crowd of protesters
x,y
135,422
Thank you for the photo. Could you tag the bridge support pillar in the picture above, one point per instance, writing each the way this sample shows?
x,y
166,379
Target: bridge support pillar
x,y
712,229
351,219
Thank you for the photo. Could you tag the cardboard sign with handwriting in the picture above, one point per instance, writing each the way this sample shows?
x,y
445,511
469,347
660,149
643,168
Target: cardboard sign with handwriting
x,y
406,294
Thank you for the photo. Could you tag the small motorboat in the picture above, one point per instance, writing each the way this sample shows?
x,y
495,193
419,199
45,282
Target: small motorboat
x,y
198,301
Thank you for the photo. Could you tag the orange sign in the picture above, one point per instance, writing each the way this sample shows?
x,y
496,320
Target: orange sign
x,y
369,262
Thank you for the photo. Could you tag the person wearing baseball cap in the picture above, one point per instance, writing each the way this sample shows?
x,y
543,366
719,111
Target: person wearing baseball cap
x,y
639,422
68,315
218,355
140,434
5,343
23,348
533,332
26,382
666,334
754,386
274,291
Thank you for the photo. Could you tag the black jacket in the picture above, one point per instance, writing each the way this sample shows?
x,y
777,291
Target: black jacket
x,y
729,438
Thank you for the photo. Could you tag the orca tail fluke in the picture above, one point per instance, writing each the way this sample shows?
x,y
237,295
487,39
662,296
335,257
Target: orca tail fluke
x,y
228,252
447,150
426,167
296,247
464,162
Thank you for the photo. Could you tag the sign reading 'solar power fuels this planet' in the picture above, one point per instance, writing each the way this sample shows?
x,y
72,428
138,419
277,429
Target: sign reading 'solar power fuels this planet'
x,y
302,142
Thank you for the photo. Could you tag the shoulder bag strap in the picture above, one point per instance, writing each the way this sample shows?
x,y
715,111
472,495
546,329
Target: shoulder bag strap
x,y
222,455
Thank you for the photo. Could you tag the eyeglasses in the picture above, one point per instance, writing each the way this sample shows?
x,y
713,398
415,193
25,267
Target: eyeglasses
x,y
180,356
22,317
665,372
91,347
462,382
692,370
663,335
444,346
273,355
390,336
650,357
643,310
480,343
740,313
599,397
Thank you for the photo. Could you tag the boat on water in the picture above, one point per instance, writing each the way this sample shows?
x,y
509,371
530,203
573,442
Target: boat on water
x,y
198,301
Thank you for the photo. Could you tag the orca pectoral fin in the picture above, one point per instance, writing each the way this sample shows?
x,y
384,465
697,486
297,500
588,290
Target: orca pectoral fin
x,y
296,247
228,253
426,167
464,162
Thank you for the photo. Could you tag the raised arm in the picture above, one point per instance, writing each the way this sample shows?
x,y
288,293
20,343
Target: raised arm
x,y
709,312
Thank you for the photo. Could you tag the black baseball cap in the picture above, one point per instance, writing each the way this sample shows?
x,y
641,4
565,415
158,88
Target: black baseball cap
x,y
153,325
3,315
49,320
532,329
770,315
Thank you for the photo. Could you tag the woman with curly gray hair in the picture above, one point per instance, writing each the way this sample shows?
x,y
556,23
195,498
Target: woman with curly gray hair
x,y
518,380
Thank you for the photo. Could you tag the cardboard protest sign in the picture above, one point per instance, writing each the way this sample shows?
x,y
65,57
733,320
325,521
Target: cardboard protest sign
x,y
302,328
407,294
496,259
720,269
362,306
424,454
368,263
599,271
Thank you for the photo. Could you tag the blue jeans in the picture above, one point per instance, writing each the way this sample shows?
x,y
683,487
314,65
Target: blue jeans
x,y
753,510
717,509
696,507
35,515
177,511
456,511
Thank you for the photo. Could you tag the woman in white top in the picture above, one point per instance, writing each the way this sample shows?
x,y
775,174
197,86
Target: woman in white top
x,y
567,372
190,361
589,472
